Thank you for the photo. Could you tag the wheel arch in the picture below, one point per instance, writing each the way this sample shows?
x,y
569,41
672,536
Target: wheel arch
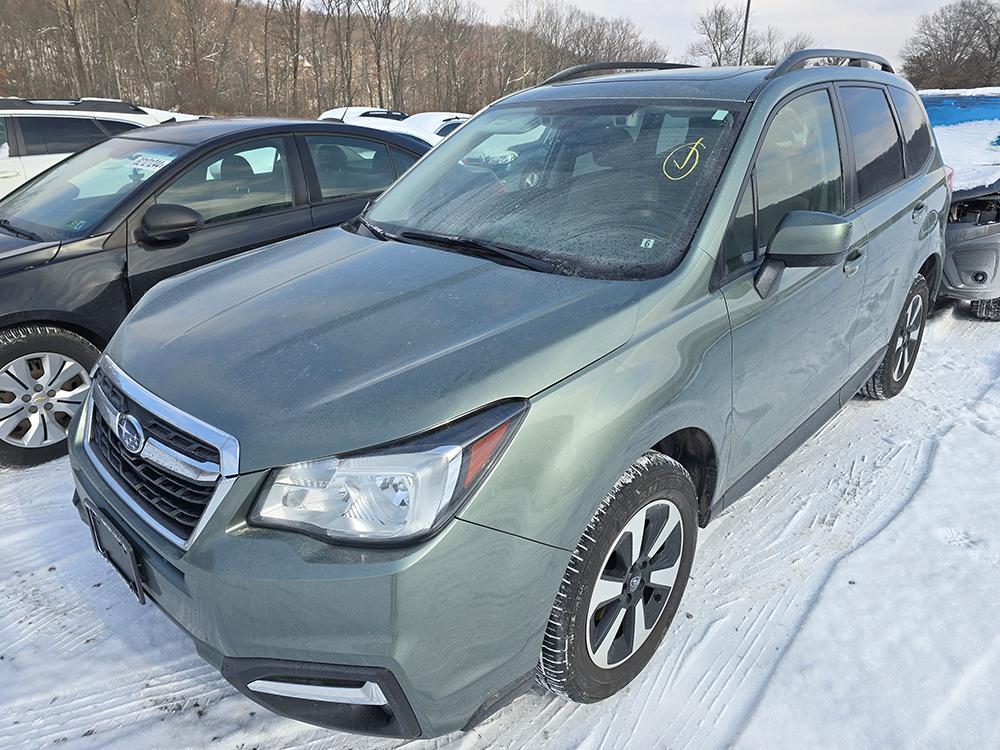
x,y
932,270
57,321
694,449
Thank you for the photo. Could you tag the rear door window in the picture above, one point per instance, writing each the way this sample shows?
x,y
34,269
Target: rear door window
x,y
349,166
798,166
878,153
916,130
4,141
402,160
114,127
58,135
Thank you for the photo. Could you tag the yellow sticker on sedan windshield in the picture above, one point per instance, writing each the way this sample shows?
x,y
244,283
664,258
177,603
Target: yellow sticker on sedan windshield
x,y
683,160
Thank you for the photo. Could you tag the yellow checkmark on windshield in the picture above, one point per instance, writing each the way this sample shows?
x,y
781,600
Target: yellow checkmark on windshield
x,y
674,168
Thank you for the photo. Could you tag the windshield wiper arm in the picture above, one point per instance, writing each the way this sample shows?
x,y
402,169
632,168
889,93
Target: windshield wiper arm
x,y
483,248
5,223
375,229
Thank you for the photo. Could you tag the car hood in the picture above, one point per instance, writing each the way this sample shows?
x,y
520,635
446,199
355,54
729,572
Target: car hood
x,y
17,252
332,342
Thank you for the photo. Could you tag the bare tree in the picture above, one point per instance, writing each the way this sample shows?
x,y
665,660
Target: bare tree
x,y
956,46
719,30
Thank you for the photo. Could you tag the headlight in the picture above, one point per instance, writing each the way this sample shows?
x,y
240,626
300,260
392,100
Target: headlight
x,y
394,493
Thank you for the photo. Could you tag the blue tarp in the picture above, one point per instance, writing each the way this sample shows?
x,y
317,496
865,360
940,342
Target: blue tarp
x,y
953,110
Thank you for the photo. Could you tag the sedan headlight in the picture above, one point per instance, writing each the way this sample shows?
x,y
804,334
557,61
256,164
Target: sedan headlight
x,y
391,494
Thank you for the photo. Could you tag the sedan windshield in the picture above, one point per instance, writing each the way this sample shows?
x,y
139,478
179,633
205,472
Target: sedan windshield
x,y
69,200
604,188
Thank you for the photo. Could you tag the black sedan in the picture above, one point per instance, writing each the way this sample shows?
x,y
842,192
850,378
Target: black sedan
x,y
82,242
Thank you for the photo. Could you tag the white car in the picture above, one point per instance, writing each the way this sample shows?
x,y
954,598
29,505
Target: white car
x,y
37,133
430,126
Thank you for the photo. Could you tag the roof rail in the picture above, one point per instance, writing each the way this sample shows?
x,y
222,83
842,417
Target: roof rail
x,y
94,105
578,70
798,60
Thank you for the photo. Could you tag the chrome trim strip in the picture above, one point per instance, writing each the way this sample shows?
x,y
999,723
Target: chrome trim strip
x,y
369,694
177,463
228,449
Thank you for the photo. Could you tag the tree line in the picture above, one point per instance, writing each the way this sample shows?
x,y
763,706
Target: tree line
x,y
298,57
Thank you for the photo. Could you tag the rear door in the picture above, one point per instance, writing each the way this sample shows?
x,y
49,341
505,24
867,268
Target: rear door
x,y
11,169
344,173
249,194
791,350
48,139
896,210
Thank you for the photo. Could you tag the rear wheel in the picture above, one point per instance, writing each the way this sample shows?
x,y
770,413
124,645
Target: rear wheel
x,y
986,309
44,378
624,583
895,368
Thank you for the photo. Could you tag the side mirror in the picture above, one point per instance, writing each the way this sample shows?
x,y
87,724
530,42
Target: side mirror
x,y
803,239
168,222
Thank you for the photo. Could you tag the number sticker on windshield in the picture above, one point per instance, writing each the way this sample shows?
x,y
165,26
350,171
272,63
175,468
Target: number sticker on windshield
x,y
683,160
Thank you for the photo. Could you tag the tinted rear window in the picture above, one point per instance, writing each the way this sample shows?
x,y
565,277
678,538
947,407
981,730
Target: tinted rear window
x,y
114,127
878,154
916,131
59,135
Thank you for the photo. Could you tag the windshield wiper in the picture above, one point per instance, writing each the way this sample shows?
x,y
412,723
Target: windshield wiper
x,y
482,248
5,223
375,229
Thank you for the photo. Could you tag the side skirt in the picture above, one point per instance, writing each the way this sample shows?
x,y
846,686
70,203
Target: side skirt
x,y
801,433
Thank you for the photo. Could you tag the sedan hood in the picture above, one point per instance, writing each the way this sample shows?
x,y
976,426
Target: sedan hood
x,y
17,253
332,342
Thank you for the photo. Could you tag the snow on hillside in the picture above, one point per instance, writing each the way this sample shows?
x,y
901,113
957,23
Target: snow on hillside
x,y
848,601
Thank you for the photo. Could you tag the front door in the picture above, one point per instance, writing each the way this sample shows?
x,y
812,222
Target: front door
x,y
248,194
791,350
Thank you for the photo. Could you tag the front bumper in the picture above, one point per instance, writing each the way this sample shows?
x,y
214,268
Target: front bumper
x,y
442,629
972,262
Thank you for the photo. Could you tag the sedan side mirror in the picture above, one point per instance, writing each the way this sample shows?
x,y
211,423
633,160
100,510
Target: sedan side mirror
x,y
803,239
168,222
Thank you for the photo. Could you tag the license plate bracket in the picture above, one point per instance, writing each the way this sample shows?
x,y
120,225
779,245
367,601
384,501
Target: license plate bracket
x,y
116,549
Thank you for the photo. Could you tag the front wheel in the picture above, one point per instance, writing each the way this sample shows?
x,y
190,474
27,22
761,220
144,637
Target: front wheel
x,y
43,382
895,368
624,583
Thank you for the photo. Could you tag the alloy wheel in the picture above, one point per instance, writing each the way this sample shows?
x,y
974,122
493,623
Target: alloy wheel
x,y
634,584
39,394
908,338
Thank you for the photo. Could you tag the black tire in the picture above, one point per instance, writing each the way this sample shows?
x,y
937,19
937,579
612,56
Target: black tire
x,y
21,341
888,380
986,309
566,666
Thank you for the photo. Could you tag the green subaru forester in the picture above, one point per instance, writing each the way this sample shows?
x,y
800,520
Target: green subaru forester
x,y
387,475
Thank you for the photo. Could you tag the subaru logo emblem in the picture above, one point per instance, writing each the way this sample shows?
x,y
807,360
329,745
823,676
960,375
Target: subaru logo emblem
x,y
130,433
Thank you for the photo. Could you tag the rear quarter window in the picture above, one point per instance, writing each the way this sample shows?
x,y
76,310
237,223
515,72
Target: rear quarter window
x,y
916,130
878,153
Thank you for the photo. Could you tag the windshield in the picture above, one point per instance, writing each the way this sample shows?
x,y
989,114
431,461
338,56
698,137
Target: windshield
x,y
70,199
605,188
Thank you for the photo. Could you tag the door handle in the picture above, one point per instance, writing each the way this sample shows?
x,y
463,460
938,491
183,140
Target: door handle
x,y
918,210
852,264
8,175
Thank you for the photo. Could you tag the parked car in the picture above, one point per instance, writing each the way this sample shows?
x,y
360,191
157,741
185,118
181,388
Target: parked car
x,y
387,476
428,125
37,133
967,125
82,243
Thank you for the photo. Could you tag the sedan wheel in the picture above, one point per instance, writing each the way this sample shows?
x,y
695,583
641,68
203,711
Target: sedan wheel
x,y
39,394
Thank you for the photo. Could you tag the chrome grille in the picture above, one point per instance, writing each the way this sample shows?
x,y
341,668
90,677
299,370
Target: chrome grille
x,y
171,468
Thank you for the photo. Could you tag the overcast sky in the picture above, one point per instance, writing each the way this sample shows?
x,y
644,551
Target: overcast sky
x,y
879,26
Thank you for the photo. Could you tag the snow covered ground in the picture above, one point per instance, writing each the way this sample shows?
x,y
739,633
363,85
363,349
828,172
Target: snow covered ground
x,y
848,601
972,149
